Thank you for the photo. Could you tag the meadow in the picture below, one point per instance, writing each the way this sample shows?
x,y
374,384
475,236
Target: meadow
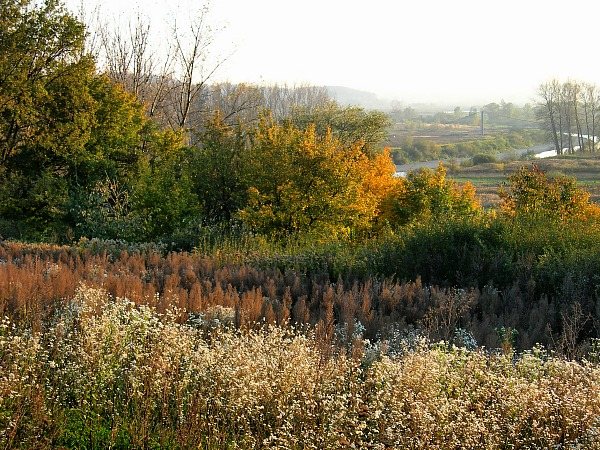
x,y
103,372
251,344
188,264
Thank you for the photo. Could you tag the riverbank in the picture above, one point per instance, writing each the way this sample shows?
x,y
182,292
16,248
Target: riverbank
x,y
540,149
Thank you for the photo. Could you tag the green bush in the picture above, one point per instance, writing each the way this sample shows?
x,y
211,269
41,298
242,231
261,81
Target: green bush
x,y
455,252
482,158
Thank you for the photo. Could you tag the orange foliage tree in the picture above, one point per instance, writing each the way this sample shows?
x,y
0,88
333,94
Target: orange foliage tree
x,y
300,181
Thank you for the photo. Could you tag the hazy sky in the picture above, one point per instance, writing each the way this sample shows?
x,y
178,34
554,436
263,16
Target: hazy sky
x,y
452,51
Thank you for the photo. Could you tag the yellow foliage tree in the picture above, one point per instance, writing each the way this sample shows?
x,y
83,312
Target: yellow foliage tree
x,y
378,182
302,181
428,194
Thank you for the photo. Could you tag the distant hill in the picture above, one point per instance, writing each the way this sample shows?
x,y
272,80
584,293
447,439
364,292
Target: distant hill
x,y
348,96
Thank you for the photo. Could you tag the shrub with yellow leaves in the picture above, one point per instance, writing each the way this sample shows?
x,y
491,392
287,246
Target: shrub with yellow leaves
x,y
425,195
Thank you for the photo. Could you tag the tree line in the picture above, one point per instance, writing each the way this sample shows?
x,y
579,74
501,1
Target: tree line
x,y
132,150
121,149
496,114
570,112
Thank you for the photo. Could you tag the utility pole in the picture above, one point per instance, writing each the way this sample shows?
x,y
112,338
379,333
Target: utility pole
x,y
482,122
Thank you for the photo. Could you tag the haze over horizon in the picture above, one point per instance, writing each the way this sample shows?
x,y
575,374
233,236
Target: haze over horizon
x,y
464,52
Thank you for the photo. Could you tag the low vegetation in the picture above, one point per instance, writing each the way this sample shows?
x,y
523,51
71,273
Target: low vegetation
x,y
103,373
488,176
441,145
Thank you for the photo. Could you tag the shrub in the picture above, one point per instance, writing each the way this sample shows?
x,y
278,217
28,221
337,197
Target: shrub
x,y
482,158
428,195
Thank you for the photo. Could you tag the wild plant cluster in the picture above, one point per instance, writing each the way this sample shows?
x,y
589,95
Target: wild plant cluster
x,y
38,280
106,373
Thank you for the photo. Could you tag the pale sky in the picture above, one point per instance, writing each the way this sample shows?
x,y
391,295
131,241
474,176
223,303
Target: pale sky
x,y
449,51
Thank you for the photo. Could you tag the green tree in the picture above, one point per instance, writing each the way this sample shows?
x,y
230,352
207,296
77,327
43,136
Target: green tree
x,y
65,132
493,111
350,125
46,111
44,107
218,167
163,200
155,204
119,135
458,114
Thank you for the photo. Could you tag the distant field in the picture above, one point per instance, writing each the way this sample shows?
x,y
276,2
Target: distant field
x,y
488,178
438,133
411,142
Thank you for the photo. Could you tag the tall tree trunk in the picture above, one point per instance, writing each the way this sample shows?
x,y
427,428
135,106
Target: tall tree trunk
x,y
549,111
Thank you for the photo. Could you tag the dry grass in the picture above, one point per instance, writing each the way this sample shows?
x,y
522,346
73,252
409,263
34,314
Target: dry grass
x,y
106,373
37,281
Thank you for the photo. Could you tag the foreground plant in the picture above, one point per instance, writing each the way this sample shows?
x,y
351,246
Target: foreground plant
x,y
105,373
